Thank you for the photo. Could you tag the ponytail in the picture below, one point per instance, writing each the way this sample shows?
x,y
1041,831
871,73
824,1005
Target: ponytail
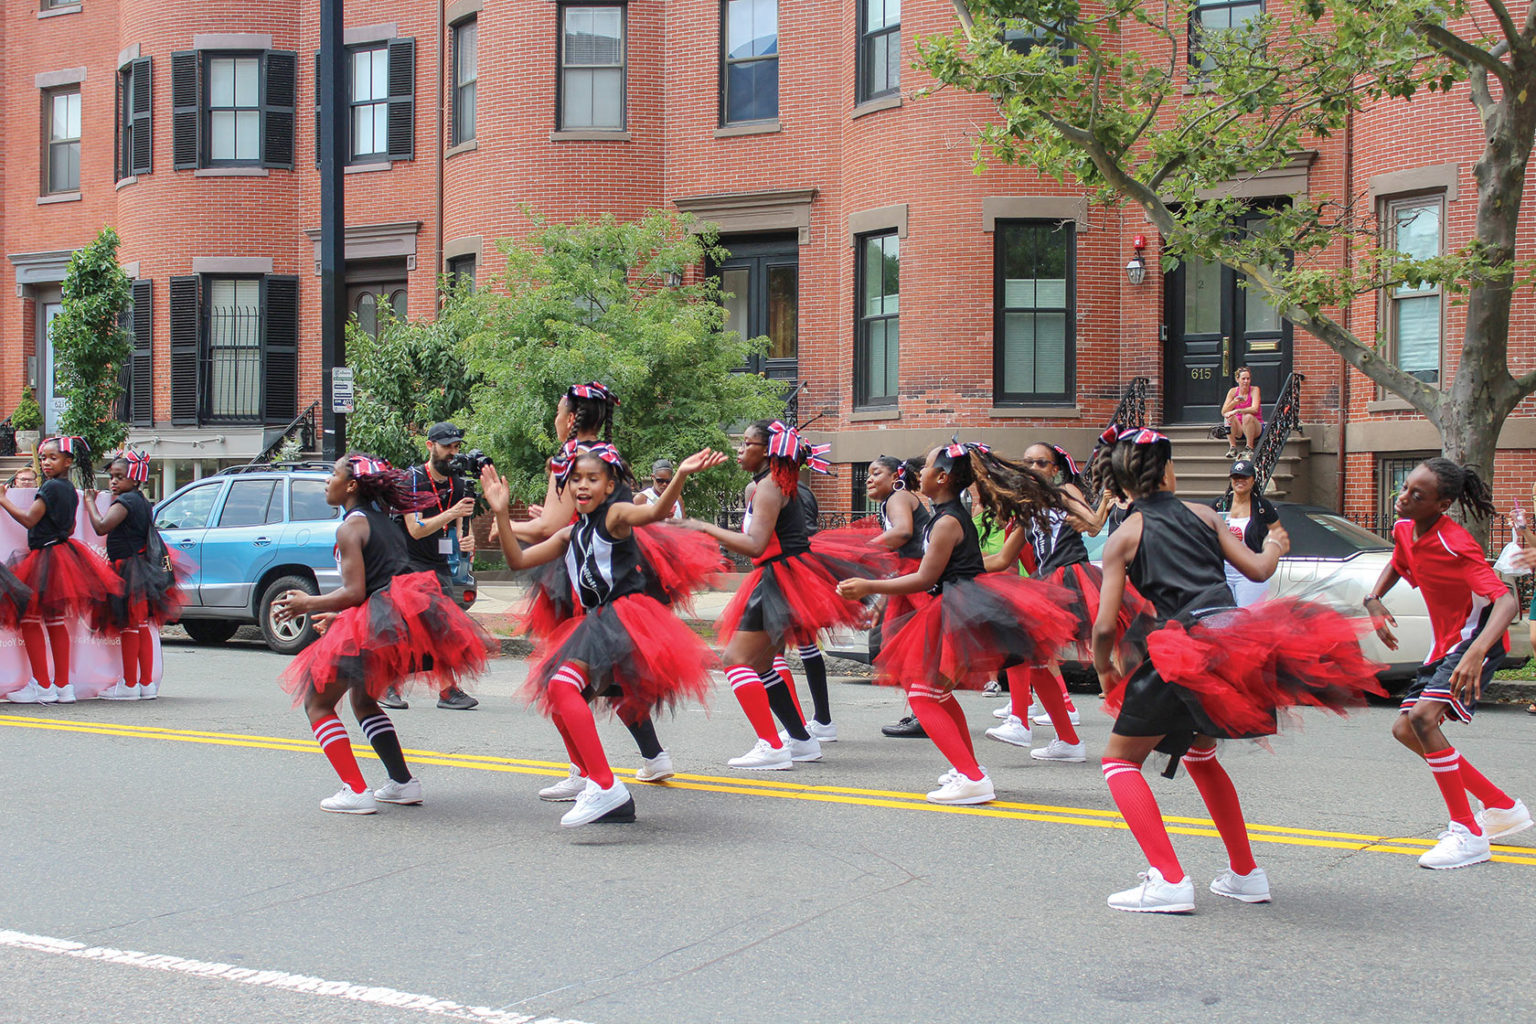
x,y
1008,491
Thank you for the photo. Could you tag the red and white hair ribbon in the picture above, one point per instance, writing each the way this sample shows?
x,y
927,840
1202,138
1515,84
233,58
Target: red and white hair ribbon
x,y
594,389
138,465
959,449
562,464
1071,462
69,444
816,457
783,440
1142,435
1111,434
366,465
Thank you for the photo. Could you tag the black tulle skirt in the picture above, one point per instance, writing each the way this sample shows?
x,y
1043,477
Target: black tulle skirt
x,y
150,597
1084,581
15,598
792,598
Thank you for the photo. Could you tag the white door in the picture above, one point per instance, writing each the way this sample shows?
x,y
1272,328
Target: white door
x,y
48,397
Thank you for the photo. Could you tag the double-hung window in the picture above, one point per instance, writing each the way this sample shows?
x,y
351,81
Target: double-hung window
x,y
466,45
369,103
750,71
61,160
135,132
877,325
1033,308
1215,18
234,109
879,56
592,66
1415,228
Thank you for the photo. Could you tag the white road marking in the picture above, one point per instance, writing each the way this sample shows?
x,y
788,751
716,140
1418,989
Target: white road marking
x,y
372,994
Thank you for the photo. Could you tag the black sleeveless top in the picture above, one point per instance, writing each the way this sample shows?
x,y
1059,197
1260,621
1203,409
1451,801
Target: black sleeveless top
x,y
1178,566
966,560
130,536
1058,547
788,528
1115,518
385,554
59,504
602,568
913,548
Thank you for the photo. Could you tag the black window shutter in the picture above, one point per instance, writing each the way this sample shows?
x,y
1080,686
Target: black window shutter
x,y
141,141
141,393
279,97
186,327
402,99
186,109
317,108
119,163
280,340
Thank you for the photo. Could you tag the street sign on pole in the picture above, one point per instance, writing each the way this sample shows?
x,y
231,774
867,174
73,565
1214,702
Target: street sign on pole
x,y
341,390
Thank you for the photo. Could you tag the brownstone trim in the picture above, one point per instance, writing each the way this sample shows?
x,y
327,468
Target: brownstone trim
x,y
996,208
232,41
1288,179
731,131
59,197
876,105
374,241
1439,178
875,415
360,34
61,77
469,245
747,212
883,218
457,12
127,55
860,446
54,12
468,146
597,135
232,265
1035,412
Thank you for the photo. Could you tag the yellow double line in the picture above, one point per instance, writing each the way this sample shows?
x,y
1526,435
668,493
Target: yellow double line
x,y
1080,816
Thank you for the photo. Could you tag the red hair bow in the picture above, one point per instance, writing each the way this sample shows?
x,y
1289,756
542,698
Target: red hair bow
x,y
815,456
69,444
138,465
1071,462
565,461
593,390
783,440
367,465
1142,435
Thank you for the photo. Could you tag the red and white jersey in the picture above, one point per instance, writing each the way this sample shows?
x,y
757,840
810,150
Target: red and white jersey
x,y
1453,574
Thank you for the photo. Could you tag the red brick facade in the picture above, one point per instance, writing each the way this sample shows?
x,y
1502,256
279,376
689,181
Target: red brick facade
x,y
823,170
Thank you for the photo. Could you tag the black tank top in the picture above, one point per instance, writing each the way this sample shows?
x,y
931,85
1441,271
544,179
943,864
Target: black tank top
x,y
1178,566
601,568
385,554
913,548
1057,546
788,528
130,536
59,504
1115,518
966,560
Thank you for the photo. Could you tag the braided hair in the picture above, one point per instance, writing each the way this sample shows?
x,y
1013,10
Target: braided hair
x,y
1009,492
382,485
1463,487
607,456
904,470
1099,472
591,407
1139,460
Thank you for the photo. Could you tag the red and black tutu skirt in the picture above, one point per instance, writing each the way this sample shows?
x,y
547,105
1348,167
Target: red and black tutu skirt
x,y
964,635
1084,581
15,598
638,655
151,595
68,581
390,637
792,598
1228,673
899,606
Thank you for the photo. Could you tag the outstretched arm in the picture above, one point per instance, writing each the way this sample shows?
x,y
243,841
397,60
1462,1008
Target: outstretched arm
x,y
1008,554
354,583
941,544
624,516
28,517
559,507
767,499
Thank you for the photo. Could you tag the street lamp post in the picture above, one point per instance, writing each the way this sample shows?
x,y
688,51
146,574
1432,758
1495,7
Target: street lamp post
x,y
333,140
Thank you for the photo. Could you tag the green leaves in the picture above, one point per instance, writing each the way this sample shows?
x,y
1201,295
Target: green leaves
x,y
91,342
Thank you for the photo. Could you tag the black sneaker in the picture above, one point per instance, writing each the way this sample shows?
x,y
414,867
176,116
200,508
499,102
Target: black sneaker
x,y
456,699
392,700
907,728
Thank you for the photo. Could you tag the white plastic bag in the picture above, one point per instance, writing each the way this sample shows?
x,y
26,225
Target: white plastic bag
x,y
1506,565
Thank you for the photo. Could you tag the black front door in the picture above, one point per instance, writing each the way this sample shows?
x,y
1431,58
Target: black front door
x,y
1216,325
761,280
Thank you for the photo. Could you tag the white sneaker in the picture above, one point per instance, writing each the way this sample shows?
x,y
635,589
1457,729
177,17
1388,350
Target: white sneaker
x,y
1061,750
961,790
825,733
120,691
1041,718
568,788
1156,896
392,792
655,769
29,694
596,802
1497,823
65,694
347,802
1011,731
763,757
47,694
149,691
1036,710
1457,848
1005,711
801,750
1250,888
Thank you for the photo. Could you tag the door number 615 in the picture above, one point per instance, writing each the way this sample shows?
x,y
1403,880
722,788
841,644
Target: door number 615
x,y
1199,373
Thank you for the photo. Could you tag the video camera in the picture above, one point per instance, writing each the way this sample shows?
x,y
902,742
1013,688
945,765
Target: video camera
x,y
469,465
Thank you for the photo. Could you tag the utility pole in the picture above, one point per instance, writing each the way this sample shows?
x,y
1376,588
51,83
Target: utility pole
x,y
333,284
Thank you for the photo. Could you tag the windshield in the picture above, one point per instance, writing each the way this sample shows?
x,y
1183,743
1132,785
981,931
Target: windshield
x,y
1315,533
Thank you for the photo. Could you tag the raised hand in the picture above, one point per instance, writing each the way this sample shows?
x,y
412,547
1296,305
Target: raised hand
x,y
700,461
498,495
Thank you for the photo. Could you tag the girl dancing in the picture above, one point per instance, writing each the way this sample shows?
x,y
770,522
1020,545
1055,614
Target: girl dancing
x,y
626,647
379,628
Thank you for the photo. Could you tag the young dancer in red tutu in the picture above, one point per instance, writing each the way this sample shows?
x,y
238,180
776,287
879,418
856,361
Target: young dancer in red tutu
x,y
1212,670
150,596
626,647
67,579
976,622
1470,609
791,593
379,628
903,520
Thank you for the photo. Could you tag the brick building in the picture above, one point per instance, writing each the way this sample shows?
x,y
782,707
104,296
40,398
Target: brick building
x,y
910,294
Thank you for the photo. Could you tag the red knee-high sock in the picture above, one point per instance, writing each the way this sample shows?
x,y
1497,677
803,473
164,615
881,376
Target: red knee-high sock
x,y
147,654
130,639
36,642
332,737
1478,785
1220,798
948,732
1020,682
1061,682
1446,764
782,668
753,698
957,715
1136,804
570,746
58,642
1052,696
567,703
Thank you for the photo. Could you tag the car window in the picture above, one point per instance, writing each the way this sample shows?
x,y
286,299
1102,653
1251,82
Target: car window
x,y
307,498
248,502
1318,534
189,510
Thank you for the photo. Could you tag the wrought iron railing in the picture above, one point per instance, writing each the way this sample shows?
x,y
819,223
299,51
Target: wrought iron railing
x,y
1284,419
1130,411
304,427
7,437
232,367
792,402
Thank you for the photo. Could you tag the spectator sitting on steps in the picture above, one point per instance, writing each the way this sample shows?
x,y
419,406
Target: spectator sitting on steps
x,y
1244,414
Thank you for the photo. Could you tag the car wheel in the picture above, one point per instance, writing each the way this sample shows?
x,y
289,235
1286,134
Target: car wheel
x,y
209,631
292,636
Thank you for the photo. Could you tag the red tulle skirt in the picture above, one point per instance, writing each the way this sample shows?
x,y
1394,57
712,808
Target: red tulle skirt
x,y
1233,670
1084,581
793,598
151,596
15,598
638,656
963,636
388,638
68,581
899,606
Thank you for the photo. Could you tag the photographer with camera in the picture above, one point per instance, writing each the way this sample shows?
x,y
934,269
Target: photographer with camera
x,y
434,535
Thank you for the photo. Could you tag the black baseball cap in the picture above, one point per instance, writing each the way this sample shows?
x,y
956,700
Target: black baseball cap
x,y
1242,467
445,433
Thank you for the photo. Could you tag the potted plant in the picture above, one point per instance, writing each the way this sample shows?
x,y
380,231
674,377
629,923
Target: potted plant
x,y
27,420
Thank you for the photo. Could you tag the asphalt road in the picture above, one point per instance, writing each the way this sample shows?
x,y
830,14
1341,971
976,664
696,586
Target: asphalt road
x,y
168,861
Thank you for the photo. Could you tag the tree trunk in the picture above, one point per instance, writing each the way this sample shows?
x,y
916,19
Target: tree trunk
x,y
1469,436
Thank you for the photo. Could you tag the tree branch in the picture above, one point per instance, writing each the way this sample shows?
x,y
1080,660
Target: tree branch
x,y
1506,22
966,21
1463,52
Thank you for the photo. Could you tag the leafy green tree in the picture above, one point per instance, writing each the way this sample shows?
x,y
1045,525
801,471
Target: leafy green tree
x,y
591,301
414,374
1103,96
91,343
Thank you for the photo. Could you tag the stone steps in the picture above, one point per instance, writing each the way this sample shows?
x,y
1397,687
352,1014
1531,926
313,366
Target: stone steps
x,y
1203,467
